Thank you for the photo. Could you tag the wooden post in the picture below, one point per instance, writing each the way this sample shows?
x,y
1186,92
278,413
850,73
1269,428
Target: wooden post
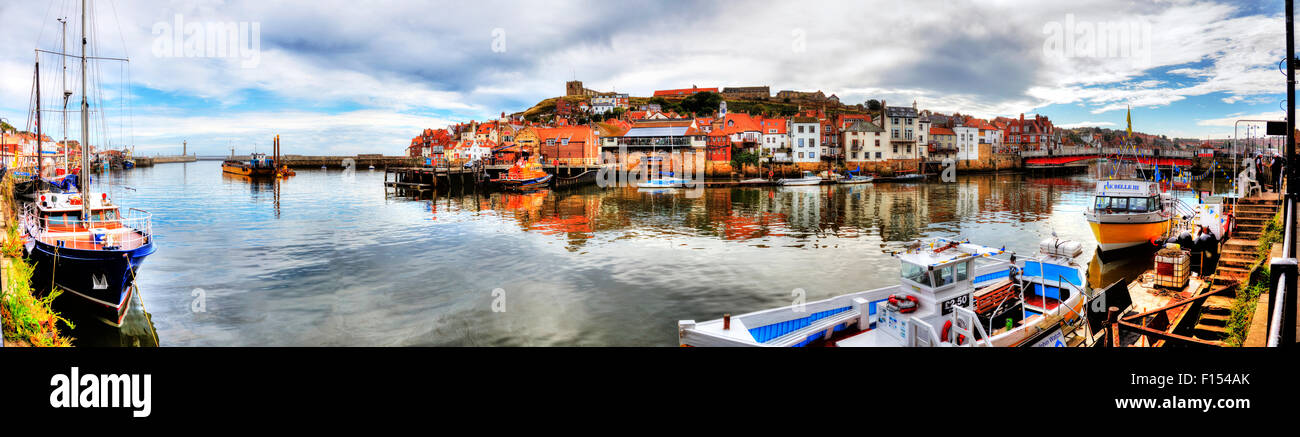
x,y
1112,326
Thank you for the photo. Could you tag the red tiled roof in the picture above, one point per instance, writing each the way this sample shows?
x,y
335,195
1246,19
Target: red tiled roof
x,y
767,124
941,131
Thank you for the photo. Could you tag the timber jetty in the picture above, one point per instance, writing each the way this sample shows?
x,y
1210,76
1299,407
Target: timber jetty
x,y
428,178
358,162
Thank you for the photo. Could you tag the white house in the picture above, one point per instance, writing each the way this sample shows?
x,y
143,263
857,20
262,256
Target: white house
x,y
968,142
864,142
803,139
900,123
775,139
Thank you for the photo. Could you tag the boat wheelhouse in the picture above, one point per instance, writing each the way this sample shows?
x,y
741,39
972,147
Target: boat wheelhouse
x,y
86,245
1127,213
950,293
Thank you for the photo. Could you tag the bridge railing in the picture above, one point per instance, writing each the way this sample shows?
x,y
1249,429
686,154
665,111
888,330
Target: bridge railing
x,y
1062,151
1152,153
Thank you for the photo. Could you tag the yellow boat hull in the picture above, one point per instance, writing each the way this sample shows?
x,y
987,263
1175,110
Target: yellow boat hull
x,y
1112,236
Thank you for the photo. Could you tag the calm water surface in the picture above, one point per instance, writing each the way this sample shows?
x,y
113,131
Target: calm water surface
x,y
327,258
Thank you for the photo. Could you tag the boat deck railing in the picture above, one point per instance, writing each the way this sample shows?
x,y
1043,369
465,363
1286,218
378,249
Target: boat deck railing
x,y
130,230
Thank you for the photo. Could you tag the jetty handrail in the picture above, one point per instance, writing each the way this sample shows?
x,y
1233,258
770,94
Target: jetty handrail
x,y
1281,326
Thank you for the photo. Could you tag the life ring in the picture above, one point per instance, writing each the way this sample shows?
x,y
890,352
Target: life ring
x,y
947,327
905,304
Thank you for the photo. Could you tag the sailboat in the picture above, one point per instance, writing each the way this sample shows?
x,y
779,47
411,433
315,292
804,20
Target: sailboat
x,y
84,242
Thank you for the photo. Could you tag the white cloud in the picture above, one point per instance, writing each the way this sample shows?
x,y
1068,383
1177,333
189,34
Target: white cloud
x,y
375,63
1086,124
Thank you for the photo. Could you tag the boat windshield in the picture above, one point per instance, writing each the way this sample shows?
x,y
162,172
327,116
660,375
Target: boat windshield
x,y
916,273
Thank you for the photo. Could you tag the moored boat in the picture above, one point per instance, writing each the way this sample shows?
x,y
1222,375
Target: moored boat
x,y
950,293
855,179
1128,213
664,182
258,165
525,176
85,244
808,178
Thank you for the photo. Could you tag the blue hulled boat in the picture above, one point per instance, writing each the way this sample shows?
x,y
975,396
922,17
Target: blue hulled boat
x,y
85,245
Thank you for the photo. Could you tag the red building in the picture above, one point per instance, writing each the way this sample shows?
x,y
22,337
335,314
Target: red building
x,y
1030,134
718,145
429,143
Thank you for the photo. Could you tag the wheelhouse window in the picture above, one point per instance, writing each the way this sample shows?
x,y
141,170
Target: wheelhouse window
x,y
944,276
104,214
1138,204
1119,204
916,273
961,271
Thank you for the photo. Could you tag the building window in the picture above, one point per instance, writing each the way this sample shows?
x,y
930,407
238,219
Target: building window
x,y
877,155
895,121
812,155
812,142
800,129
800,155
877,143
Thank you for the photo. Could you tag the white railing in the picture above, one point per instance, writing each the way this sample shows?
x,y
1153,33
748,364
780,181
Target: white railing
x,y
129,231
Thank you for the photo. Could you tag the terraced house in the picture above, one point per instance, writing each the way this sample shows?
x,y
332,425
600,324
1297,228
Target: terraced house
x,y
864,142
804,139
901,123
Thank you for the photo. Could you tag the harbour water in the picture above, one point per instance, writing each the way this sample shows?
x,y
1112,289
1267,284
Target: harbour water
x,y
328,258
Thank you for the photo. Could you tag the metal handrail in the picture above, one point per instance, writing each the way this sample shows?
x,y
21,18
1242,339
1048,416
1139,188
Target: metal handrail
x,y
1279,295
1275,328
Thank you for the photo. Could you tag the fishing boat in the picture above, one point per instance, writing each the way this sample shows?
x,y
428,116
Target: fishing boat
x,y
258,165
1128,213
525,176
85,243
950,293
808,178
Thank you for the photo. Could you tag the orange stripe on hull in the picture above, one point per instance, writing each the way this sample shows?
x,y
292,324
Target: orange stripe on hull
x,y
1111,236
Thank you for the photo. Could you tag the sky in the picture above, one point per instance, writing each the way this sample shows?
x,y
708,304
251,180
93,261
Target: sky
x,y
347,77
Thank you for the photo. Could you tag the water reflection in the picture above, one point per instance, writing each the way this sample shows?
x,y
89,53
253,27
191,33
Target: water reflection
x,y
330,259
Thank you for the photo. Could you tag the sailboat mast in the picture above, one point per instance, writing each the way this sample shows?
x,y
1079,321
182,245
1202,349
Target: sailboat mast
x,y
85,123
38,116
63,83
